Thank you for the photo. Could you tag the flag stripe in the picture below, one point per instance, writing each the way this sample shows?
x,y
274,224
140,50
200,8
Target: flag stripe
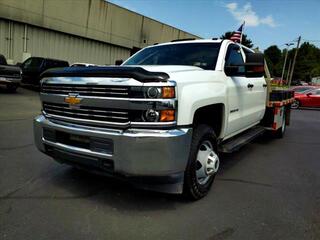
x,y
236,36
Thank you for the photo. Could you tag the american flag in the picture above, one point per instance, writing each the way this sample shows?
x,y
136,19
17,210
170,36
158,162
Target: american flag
x,y
237,35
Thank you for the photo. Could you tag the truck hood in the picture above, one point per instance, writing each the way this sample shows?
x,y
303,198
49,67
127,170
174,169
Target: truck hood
x,y
170,68
186,74
127,75
9,71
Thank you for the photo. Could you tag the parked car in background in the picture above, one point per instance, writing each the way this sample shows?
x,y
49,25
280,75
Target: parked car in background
x,y
301,89
310,98
34,66
83,65
10,76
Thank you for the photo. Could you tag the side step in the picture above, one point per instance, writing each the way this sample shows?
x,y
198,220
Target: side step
x,y
235,143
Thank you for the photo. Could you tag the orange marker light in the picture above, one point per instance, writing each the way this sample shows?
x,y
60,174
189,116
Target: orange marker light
x,y
168,92
167,115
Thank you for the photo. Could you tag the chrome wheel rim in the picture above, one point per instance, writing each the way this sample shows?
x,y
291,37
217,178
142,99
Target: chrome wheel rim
x,y
295,104
207,162
283,123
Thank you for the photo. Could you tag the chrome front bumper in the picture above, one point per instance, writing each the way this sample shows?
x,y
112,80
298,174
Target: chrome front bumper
x,y
7,81
134,152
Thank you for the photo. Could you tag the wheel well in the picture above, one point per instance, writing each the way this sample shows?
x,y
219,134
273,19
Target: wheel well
x,y
211,115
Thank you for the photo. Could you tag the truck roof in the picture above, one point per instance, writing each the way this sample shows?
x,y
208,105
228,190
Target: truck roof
x,y
214,40
192,41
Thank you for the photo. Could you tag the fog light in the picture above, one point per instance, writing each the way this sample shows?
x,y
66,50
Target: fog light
x,y
151,115
167,115
153,92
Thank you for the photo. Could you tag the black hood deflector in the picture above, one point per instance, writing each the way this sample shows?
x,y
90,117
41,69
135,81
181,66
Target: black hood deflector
x,y
137,73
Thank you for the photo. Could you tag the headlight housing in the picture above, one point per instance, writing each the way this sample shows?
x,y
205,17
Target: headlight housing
x,y
159,105
152,92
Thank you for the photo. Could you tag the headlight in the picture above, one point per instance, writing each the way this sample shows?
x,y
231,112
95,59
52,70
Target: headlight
x,y
157,106
152,92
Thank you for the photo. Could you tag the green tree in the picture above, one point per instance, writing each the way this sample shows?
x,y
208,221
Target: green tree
x,y
245,40
315,72
274,57
308,62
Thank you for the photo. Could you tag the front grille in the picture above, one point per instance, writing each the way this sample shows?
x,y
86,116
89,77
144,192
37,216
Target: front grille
x,y
94,114
87,90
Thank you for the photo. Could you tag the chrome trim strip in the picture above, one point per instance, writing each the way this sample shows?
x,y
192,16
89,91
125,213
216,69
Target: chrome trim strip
x,y
76,149
84,114
77,120
110,124
114,98
84,87
56,124
115,103
110,131
125,82
84,110
81,92
152,124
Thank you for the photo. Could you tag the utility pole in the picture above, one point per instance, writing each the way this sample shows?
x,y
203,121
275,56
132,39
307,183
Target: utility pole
x,y
285,60
289,67
294,61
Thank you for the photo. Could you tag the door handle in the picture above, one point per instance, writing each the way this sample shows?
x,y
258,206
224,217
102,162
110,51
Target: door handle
x,y
264,85
250,85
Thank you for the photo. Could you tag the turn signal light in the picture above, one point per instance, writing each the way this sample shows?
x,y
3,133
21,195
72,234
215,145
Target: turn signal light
x,y
167,115
168,92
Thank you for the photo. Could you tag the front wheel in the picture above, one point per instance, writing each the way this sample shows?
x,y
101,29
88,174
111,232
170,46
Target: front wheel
x,y
12,88
295,104
281,131
203,163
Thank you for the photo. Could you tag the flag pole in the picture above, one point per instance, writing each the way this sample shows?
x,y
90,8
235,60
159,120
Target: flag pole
x,y
242,32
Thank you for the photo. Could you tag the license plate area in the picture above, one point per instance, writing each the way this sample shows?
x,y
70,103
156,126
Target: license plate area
x,y
94,144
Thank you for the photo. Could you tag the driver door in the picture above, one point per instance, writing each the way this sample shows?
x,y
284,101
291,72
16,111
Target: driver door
x,y
238,93
313,99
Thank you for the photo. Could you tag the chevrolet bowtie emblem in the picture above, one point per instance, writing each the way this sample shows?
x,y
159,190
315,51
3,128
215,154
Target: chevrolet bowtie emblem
x,y
72,100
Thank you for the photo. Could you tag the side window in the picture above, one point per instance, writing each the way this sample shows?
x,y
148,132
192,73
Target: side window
x,y
234,56
317,92
61,64
55,64
49,64
46,64
3,60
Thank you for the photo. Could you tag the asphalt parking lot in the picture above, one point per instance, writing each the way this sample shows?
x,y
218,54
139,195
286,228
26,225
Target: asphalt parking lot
x,y
270,189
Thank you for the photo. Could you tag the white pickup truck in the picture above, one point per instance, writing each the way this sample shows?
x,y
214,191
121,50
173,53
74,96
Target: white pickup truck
x,y
161,118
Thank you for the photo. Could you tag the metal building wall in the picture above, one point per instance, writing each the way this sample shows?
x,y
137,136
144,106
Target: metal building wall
x,y
3,36
92,19
47,43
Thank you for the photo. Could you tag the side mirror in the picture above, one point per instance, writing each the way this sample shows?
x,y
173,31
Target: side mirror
x,y
232,70
118,62
254,64
253,67
308,94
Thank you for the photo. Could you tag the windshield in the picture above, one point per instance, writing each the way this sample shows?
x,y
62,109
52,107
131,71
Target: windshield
x,y
203,55
303,89
33,63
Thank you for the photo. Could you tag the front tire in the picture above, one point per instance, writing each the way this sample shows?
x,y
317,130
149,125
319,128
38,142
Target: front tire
x,y
203,163
281,131
12,88
295,104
